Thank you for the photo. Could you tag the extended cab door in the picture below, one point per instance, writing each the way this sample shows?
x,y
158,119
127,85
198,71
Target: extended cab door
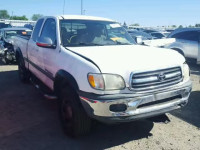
x,y
189,43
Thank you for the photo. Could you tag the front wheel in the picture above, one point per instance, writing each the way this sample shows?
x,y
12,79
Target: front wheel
x,y
74,119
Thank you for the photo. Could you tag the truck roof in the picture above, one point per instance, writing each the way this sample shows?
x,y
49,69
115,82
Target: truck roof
x,y
182,30
186,29
83,17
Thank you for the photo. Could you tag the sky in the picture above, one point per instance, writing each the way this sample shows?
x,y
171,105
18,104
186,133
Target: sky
x,y
144,12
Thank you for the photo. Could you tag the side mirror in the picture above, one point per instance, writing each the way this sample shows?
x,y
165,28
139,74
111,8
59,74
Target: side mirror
x,y
139,40
45,43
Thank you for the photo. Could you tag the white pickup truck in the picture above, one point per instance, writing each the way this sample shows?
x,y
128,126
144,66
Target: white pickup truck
x,y
98,72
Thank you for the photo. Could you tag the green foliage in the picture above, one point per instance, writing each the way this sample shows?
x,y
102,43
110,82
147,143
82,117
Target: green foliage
x,y
197,25
135,24
180,26
174,26
4,14
191,26
19,18
124,24
35,17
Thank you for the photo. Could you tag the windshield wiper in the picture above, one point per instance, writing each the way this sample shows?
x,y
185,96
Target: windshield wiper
x,y
122,43
83,44
89,44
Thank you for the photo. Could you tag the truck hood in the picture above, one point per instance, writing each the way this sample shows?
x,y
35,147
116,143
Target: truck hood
x,y
124,59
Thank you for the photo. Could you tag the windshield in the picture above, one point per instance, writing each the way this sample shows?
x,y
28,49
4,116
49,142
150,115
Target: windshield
x,y
10,33
93,33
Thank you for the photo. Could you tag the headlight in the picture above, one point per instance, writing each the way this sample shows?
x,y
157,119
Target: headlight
x,y
106,81
186,71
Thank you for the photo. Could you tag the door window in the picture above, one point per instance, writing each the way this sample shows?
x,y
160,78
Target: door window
x,y
49,30
37,29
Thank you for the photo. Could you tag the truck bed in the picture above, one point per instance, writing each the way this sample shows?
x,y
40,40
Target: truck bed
x,y
24,37
21,43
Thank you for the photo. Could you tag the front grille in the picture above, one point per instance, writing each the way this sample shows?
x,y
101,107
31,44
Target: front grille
x,y
163,101
156,79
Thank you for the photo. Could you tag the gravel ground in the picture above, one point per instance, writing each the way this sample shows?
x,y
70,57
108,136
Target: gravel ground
x,y
28,121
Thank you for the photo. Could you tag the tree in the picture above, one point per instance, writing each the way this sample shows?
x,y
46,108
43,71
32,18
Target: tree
x,y
197,25
19,18
180,26
4,14
174,26
36,17
124,24
135,24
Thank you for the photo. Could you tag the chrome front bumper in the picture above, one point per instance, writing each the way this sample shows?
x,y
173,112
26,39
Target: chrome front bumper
x,y
137,106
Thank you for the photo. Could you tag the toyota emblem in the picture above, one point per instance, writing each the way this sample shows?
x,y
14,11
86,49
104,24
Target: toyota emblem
x,y
161,77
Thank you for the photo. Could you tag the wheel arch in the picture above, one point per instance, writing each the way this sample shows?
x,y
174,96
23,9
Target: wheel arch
x,y
63,78
18,53
178,50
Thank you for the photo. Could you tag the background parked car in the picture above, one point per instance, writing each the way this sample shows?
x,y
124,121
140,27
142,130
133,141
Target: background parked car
x,y
157,35
4,25
135,33
165,33
170,30
149,30
6,35
187,42
29,26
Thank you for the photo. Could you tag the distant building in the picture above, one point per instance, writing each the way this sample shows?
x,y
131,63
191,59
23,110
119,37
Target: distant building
x,y
18,23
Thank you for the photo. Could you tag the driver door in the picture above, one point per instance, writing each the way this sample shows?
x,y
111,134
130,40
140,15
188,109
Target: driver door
x,y
49,54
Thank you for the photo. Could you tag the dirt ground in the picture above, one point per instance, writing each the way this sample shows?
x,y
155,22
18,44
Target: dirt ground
x,y
28,121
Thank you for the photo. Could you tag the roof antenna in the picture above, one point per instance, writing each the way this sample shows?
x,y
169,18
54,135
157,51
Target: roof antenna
x,y
64,7
81,7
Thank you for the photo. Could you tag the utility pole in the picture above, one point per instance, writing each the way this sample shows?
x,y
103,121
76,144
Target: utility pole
x,y
81,7
11,16
64,7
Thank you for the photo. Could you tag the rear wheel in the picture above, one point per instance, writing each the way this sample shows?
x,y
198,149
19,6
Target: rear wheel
x,y
74,119
22,71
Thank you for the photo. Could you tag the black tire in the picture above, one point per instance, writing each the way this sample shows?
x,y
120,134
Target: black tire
x,y
24,74
74,119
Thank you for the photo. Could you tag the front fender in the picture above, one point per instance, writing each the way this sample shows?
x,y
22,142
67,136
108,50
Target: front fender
x,y
64,78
